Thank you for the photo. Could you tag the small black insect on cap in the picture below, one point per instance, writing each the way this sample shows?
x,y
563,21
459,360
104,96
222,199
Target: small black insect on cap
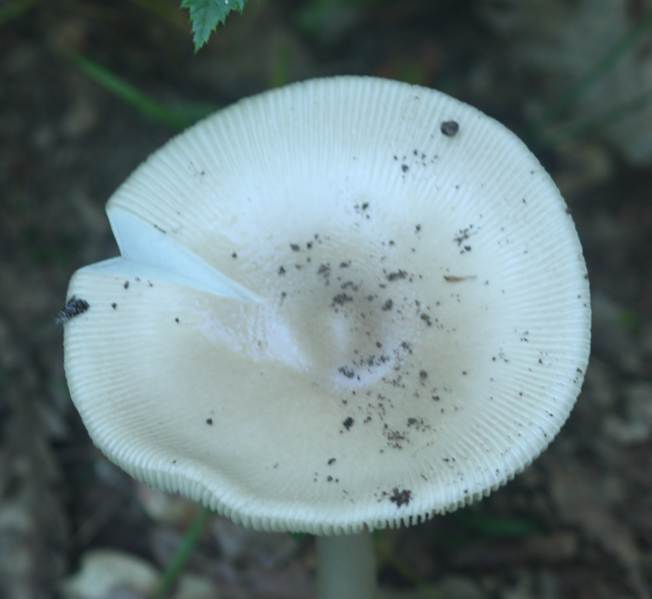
x,y
74,307
450,128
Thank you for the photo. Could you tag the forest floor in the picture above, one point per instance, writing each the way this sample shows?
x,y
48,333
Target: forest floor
x,y
577,524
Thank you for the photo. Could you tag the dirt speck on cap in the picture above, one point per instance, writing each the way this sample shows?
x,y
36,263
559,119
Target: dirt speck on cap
x,y
396,275
349,373
74,307
450,128
400,497
341,298
459,279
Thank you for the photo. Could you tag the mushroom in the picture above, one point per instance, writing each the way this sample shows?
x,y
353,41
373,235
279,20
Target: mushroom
x,y
339,306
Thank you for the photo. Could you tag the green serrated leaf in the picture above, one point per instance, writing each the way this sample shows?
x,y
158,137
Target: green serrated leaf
x,y
206,15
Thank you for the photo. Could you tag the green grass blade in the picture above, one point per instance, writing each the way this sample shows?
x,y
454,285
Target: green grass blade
x,y
599,70
387,557
178,117
13,10
482,525
609,117
188,544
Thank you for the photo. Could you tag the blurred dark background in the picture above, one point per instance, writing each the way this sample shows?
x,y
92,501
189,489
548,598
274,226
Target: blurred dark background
x,y
88,88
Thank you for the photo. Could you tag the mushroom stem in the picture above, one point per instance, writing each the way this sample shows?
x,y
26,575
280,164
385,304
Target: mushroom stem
x,y
346,567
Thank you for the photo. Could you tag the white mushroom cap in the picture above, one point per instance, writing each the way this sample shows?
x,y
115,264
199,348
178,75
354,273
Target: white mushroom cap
x,y
333,311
